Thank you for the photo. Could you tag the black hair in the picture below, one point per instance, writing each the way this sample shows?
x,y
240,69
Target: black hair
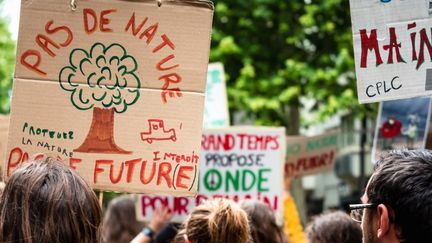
x,y
402,180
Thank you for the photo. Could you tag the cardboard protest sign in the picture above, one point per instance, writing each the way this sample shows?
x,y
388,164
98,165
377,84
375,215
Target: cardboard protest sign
x,y
401,124
310,155
392,48
4,127
114,87
236,163
216,104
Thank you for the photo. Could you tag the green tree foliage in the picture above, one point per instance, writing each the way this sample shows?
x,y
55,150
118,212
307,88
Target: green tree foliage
x,y
276,52
7,64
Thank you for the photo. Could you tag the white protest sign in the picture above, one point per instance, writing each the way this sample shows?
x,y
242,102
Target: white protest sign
x,y
216,105
111,86
236,163
392,48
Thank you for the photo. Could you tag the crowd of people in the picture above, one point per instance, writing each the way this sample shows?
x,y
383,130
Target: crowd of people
x,y
46,201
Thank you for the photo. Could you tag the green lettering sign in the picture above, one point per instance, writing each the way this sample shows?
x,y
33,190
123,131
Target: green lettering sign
x,y
210,182
262,179
233,180
244,179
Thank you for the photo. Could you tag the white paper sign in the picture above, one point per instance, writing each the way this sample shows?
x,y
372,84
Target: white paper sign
x,y
216,105
392,48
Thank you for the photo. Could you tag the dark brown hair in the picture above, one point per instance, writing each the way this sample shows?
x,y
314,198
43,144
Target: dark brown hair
x,y
214,221
262,222
402,181
334,227
45,201
120,224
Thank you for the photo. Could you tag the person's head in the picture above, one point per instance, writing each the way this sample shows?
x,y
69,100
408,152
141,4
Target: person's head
x,y
45,201
398,198
214,221
333,227
120,224
262,222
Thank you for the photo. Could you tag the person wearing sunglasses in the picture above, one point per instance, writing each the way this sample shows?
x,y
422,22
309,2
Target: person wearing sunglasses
x,y
397,203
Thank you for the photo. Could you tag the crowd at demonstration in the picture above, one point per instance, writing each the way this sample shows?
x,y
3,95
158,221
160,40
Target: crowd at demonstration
x,y
131,107
46,201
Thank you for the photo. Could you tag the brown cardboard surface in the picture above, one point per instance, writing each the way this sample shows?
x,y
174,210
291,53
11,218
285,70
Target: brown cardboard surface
x,y
119,110
187,28
310,155
4,127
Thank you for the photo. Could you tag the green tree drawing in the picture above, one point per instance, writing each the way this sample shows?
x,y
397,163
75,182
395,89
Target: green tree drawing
x,y
104,80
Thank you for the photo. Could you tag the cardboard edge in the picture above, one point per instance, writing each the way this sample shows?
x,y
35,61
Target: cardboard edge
x,y
195,3
151,192
5,155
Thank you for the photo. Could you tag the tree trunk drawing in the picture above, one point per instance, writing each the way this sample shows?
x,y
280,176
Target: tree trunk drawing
x,y
100,138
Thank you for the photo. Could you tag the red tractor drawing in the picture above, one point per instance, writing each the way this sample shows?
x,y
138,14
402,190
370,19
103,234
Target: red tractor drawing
x,y
157,131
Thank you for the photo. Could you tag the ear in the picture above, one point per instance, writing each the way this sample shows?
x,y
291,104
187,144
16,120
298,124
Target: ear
x,y
384,221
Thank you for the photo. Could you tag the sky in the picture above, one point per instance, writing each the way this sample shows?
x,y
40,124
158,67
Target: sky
x,y
10,10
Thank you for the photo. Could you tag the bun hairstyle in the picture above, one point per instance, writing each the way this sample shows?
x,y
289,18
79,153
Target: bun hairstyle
x,y
218,220
45,201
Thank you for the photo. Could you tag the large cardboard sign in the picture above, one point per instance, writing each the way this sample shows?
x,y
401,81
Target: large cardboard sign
x,y
114,87
310,155
401,124
236,163
216,103
392,48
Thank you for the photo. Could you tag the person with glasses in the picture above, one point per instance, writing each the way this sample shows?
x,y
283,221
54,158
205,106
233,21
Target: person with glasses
x,y
397,203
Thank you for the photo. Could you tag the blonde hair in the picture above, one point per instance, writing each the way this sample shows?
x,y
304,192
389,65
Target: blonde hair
x,y
218,220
